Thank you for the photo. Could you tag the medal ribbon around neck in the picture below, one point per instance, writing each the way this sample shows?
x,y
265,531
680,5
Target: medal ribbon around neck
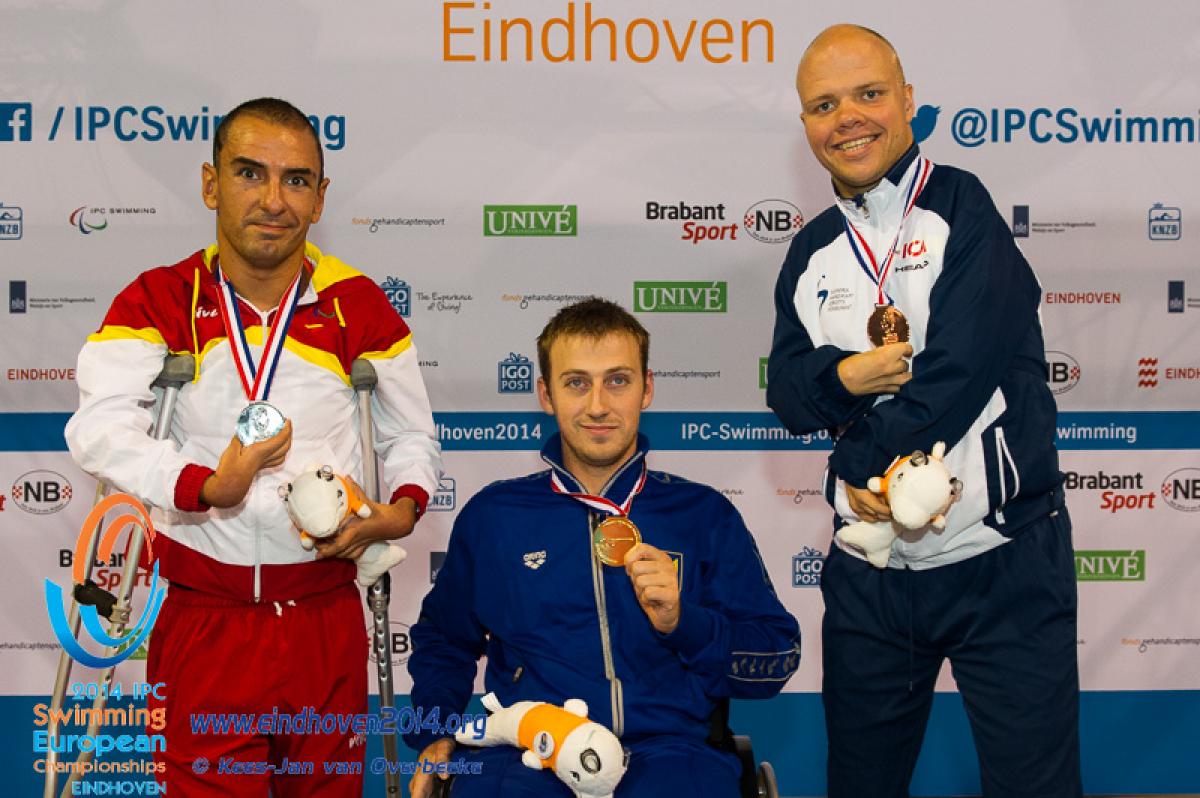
x,y
859,246
600,503
256,381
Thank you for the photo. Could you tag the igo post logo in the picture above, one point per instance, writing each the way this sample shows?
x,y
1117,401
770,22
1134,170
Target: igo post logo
x,y
126,646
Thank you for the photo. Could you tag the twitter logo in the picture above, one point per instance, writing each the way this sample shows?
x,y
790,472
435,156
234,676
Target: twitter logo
x,y
924,122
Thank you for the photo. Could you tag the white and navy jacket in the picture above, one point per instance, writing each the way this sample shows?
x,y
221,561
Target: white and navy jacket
x,y
979,371
521,585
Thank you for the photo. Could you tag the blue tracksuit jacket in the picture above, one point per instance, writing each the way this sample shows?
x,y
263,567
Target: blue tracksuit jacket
x,y
520,584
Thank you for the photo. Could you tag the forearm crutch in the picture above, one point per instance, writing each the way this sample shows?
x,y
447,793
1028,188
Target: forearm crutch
x,y
364,380
177,371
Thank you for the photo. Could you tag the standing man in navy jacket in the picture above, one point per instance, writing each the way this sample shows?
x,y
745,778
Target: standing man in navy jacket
x,y
651,638
914,261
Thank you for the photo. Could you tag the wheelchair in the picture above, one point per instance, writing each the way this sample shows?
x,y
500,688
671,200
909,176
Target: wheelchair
x,y
758,779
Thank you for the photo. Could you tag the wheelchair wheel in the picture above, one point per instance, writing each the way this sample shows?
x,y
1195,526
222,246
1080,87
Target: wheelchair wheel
x,y
767,786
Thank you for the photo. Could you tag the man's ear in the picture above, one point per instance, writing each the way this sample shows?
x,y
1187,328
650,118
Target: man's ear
x,y
648,393
208,185
543,392
320,206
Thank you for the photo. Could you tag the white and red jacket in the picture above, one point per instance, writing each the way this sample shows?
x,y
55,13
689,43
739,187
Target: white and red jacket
x,y
249,552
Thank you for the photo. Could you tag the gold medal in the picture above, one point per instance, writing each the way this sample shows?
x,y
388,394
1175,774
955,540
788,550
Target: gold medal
x,y
887,325
613,538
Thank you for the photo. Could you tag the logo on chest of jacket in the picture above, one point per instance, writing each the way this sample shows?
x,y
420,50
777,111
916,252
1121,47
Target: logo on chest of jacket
x,y
535,559
913,256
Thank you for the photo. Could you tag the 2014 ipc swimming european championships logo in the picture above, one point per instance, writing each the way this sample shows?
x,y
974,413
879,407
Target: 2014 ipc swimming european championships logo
x,y
127,644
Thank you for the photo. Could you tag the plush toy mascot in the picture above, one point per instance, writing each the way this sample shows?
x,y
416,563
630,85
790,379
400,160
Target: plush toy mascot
x,y
919,490
319,502
585,755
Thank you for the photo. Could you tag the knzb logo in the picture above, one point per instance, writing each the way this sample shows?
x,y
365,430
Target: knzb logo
x,y
1181,489
1062,371
399,293
41,492
807,567
11,226
773,221
1166,224
445,499
516,374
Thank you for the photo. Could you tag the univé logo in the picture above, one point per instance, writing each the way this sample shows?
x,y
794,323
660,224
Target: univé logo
x,y
1110,566
1063,371
530,220
399,293
680,297
134,514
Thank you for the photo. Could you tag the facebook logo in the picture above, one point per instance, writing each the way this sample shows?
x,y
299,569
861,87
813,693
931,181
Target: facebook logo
x,y
16,121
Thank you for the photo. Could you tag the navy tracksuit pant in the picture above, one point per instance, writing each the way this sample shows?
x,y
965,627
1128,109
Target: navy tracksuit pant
x,y
1006,619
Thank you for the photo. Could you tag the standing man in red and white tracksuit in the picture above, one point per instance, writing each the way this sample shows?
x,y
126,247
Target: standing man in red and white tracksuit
x,y
254,623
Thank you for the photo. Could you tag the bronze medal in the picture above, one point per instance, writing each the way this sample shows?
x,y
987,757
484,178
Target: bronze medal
x,y
887,325
613,538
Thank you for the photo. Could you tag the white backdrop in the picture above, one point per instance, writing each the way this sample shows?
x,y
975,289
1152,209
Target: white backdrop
x,y
1080,118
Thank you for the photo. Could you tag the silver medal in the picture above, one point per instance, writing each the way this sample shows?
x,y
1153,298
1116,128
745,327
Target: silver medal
x,y
259,421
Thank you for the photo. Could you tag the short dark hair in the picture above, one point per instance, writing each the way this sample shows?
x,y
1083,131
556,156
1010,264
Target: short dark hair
x,y
270,109
593,318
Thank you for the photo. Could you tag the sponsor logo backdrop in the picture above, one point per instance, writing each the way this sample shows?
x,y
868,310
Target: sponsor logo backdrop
x,y
483,185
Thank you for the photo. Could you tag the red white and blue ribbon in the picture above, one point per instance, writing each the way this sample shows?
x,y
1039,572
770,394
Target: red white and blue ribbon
x,y
599,503
256,380
862,250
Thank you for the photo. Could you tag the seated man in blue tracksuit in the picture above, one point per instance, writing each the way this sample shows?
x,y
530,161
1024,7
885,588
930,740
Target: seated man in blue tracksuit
x,y
650,640
914,261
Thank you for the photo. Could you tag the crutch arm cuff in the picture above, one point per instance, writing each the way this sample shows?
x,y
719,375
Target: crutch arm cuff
x,y
187,488
414,492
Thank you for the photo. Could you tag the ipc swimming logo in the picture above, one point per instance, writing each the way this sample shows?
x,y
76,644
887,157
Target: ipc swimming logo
x,y
127,645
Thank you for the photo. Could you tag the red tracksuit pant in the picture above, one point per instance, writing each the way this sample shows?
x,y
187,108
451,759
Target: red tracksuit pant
x,y
226,662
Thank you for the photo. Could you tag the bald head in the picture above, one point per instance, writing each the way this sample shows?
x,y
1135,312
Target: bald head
x,y
836,37
855,106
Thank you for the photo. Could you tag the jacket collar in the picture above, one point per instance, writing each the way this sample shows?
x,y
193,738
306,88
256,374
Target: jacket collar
x,y
312,257
619,484
884,196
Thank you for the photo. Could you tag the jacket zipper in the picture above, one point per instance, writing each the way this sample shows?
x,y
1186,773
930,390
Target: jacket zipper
x,y
610,671
257,531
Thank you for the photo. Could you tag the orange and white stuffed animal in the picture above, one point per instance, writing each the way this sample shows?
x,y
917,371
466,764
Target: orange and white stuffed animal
x,y
586,756
319,502
919,491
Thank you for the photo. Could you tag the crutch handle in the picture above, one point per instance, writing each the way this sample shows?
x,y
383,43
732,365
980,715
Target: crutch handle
x,y
363,376
177,370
